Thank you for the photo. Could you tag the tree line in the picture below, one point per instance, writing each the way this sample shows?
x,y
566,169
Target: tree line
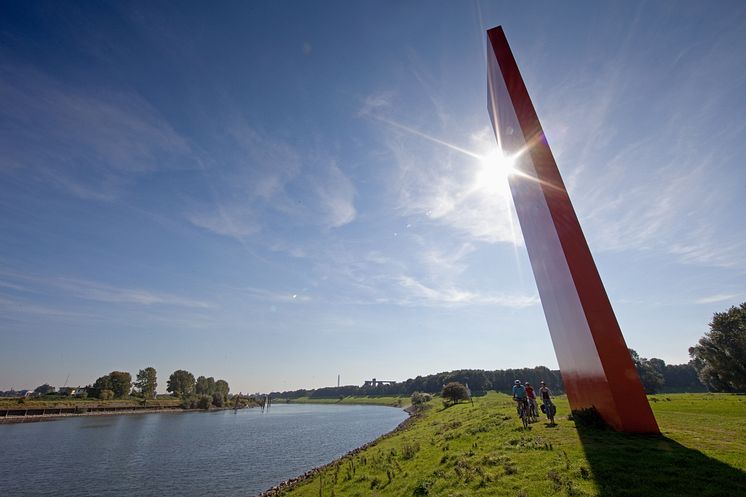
x,y
718,361
202,392
478,380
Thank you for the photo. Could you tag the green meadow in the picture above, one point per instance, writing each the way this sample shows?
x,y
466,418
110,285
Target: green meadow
x,y
480,449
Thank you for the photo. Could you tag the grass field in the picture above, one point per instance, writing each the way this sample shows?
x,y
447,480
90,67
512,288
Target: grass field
x,y
481,450
362,400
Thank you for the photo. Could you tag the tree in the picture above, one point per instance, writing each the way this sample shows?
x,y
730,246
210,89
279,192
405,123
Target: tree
x,y
205,386
147,382
221,387
121,383
682,378
204,402
101,384
181,383
720,355
651,379
44,389
454,392
106,394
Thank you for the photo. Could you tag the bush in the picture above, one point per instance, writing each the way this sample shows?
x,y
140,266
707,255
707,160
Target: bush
x,y
218,400
409,450
419,398
106,394
423,488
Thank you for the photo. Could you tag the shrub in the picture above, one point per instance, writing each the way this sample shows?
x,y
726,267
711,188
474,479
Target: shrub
x,y
419,398
106,394
423,488
218,400
408,450
454,392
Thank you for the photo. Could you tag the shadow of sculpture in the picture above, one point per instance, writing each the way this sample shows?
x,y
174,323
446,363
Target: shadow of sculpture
x,y
627,465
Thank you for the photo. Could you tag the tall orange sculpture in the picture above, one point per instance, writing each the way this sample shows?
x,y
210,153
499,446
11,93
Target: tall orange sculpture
x,y
596,367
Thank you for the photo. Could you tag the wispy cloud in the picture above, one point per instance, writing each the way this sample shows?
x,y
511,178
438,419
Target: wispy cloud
x,y
336,195
438,183
655,187
712,299
90,290
232,220
89,142
260,179
274,296
14,307
421,294
96,291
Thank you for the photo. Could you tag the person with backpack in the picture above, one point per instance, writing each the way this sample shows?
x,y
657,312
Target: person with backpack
x,y
547,406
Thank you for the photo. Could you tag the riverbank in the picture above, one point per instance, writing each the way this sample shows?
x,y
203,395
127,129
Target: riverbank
x,y
481,449
287,485
389,401
52,416
121,411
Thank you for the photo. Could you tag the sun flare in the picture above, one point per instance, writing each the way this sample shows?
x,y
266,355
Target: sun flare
x,y
494,170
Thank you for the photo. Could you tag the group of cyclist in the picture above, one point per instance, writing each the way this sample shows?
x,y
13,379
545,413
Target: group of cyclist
x,y
525,399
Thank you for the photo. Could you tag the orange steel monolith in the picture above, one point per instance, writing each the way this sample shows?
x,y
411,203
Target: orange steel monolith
x,y
596,366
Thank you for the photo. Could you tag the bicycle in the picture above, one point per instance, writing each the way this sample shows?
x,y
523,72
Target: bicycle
x,y
523,412
549,409
532,410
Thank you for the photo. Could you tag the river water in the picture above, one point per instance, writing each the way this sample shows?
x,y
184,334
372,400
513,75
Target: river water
x,y
220,453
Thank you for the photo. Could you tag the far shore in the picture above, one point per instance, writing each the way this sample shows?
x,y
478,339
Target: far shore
x,y
401,402
54,416
395,402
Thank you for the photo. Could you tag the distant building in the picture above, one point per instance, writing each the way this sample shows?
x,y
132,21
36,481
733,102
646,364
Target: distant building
x,y
376,383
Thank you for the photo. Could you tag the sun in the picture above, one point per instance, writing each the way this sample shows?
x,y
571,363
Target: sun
x,y
494,170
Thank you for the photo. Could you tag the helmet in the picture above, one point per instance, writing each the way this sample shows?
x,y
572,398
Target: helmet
x,y
528,384
517,382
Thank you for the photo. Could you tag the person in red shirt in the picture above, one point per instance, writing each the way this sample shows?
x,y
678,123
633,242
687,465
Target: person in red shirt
x,y
532,409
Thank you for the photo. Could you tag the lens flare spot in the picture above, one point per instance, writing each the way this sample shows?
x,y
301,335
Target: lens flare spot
x,y
493,173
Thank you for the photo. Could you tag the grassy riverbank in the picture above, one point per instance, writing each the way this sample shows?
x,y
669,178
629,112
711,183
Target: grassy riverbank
x,y
354,400
480,449
63,402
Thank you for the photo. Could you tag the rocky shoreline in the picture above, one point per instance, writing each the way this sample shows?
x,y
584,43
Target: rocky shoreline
x,y
51,417
281,488
124,412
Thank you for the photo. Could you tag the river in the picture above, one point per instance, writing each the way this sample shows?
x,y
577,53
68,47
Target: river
x,y
219,453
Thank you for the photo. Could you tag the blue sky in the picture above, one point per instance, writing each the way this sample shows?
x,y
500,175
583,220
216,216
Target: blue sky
x,y
262,191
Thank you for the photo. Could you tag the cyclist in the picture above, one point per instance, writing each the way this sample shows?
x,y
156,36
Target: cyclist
x,y
532,409
519,395
546,401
